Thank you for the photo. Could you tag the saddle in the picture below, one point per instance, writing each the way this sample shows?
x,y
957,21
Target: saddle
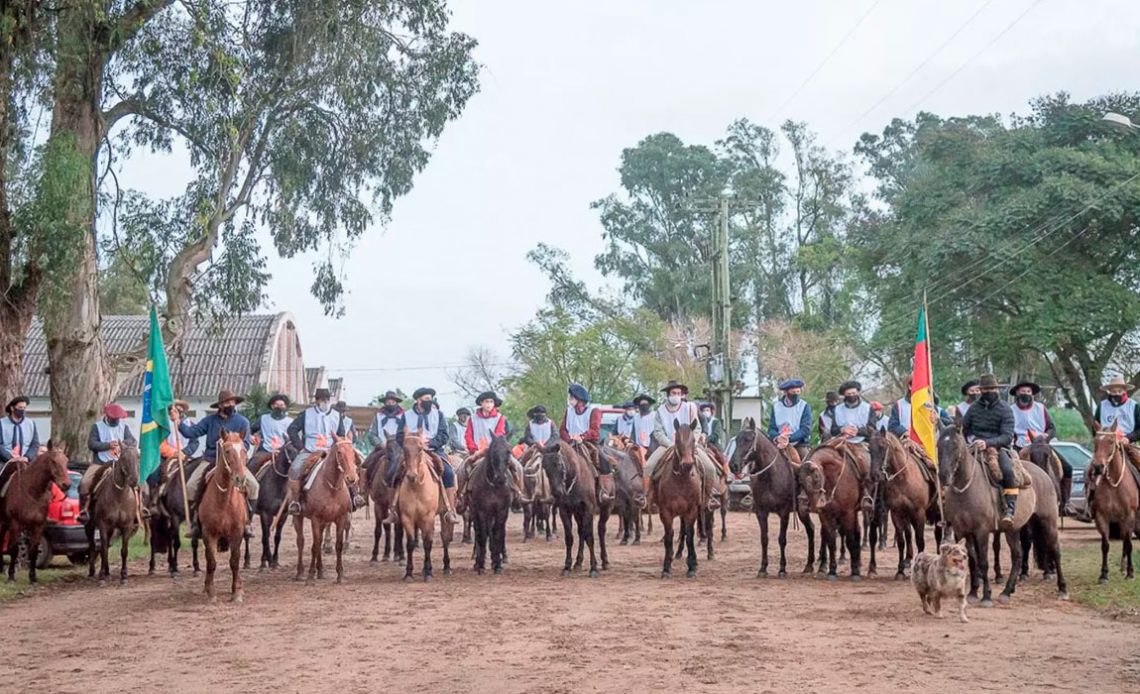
x,y
927,467
990,461
856,455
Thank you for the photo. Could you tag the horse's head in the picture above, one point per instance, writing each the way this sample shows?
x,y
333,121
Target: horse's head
x,y
558,472
1106,442
232,456
952,451
879,446
54,455
413,455
498,458
745,445
684,447
127,467
345,456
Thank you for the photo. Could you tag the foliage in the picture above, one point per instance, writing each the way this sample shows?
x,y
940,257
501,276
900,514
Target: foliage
x,y
822,360
483,371
121,290
378,400
256,402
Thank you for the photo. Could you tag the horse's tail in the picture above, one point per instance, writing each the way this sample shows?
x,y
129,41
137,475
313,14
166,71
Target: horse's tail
x,y
160,534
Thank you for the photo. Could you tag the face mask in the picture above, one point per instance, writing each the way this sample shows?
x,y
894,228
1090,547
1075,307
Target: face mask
x,y
989,398
227,410
425,405
674,400
643,409
851,399
971,399
571,402
278,413
539,419
793,398
389,408
18,414
324,407
1024,399
1116,400
706,416
629,414
112,422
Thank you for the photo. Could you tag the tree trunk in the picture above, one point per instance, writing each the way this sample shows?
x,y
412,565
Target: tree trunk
x,y
16,311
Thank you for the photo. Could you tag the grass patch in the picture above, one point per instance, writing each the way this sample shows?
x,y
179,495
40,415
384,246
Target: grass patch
x,y
1070,426
1082,569
62,571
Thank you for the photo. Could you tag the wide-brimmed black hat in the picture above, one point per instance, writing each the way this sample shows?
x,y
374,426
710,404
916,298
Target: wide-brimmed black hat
x,y
15,401
391,395
644,398
537,409
226,395
278,398
1022,384
340,406
968,385
848,385
674,384
420,392
988,381
462,411
488,395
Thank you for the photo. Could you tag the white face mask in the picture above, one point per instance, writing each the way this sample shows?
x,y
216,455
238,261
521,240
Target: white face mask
x,y
324,407
674,400
571,402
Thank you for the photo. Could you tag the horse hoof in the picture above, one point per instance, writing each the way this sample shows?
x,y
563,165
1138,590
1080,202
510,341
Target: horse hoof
x,y
374,562
624,543
832,577
427,578
782,574
998,578
1063,596
1102,580
691,573
213,599
808,570
407,578
447,572
150,572
197,573
339,580
1023,579
1004,598
972,600
593,573
122,582
987,603
237,598
666,574
1130,577
565,572
856,579
761,574
900,576
636,543
872,573
499,571
309,583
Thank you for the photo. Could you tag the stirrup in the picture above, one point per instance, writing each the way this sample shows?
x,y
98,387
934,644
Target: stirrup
x,y
294,508
392,517
357,502
453,518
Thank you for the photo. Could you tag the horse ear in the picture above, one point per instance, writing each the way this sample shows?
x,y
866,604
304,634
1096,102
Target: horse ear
x,y
1115,425
676,424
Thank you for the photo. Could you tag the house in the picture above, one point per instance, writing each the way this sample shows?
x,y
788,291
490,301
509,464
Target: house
x,y
241,353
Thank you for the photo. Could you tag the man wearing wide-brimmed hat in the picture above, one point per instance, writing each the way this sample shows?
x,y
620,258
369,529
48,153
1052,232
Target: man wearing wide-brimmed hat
x,y
106,441
224,419
676,410
854,417
425,421
1030,418
271,432
19,437
645,421
1119,410
539,428
482,427
457,432
582,428
314,431
346,420
988,425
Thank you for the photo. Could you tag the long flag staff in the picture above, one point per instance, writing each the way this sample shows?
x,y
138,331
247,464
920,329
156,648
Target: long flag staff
x,y
182,471
934,409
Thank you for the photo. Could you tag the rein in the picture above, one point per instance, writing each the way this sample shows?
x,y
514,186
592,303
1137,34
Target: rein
x,y
909,460
1117,452
339,466
977,462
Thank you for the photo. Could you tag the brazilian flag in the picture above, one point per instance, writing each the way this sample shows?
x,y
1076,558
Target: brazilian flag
x,y
156,400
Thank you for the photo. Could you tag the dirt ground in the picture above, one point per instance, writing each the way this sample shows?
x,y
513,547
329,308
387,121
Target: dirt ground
x,y
531,630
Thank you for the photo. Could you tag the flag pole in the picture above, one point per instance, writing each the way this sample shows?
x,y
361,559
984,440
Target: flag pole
x,y
934,410
182,472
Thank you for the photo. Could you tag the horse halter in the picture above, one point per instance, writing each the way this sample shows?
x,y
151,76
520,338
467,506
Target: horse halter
x,y
1117,451
340,464
223,461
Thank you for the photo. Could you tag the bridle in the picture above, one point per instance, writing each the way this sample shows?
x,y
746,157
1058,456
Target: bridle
x,y
224,463
340,462
894,449
1117,452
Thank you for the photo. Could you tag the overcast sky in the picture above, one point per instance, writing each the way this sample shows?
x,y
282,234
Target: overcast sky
x,y
567,86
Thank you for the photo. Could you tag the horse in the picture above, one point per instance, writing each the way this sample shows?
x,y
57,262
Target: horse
x,y
24,506
273,478
166,522
706,521
489,498
629,491
382,495
678,493
1117,498
222,512
909,492
328,502
972,507
114,508
572,485
1041,454
839,507
536,511
772,478
419,502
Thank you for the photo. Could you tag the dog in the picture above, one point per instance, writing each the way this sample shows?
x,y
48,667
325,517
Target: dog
x,y
942,575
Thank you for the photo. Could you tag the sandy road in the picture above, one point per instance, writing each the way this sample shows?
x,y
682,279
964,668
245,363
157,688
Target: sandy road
x,y
531,630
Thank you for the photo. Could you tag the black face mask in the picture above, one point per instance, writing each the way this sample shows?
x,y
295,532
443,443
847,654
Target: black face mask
x,y
793,399
971,398
539,419
18,415
989,398
1024,399
227,410
390,408
112,422
851,399
278,413
643,409
425,406
1116,400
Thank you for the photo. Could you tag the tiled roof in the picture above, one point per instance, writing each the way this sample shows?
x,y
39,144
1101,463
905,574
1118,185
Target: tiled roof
x,y
232,356
314,376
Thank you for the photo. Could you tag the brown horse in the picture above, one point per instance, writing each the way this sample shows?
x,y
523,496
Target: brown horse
x,y
678,493
540,505
972,510
489,496
1117,498
829,485
170,513
419,502
382,495
113,508
572,485
629,488
1041,454
772,478
222,512
25,506
909,493
328,502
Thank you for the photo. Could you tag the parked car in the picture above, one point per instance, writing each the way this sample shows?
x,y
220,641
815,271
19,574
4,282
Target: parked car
x,y
63,533
1079,457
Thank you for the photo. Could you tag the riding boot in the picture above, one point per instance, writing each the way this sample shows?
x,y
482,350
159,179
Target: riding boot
x,y
517,483
605,488
394,517
249,523
1066,492
1010,499
294,497
357,499
449,499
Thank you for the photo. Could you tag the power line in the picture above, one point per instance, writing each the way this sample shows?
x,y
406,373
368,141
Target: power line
x,y
427,367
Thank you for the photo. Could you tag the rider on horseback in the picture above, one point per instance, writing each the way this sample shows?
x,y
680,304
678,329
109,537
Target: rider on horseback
x,y
645,422
311,433
990,422
539,430
582,427
426,421
384,427
970,393
711,427
855,421
1119,409
790,423
270,432
457,432
827,417
19,437
106,441
677,409
625,421
899,423
1030,418
484,425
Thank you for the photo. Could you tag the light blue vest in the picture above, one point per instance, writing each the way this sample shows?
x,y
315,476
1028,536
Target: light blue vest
x,y
320,428
108,434
274,432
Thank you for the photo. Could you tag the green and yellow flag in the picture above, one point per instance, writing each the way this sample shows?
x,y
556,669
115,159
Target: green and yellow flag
x,y
922,408
156,401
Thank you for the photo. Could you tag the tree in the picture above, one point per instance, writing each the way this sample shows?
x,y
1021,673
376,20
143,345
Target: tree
x,y
309,119
1022,232
482,371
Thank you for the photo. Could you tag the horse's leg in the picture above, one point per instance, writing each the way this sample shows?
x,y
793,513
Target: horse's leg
x,y
1026,544
987,596
266,529
211,566
710,517
690,546
387,531
872,567
399,544
997,558
667,528
842,549
1103,551
900,545
236,592
105,553
855,550
636,518
832,564
528,513
762,519
446,535
410,546
245,541
809,529
603,518
195,541
89,529
480,545
175,532
499,540
341,531
588,524
317,566
579,517
569,534
1015,549
34,535
426,532
275,561
724,521
299,531
125,538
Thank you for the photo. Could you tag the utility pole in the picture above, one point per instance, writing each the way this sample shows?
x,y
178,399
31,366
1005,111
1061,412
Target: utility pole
x,y
720,361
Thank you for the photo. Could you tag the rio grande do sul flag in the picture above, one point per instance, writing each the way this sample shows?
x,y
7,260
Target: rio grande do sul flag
x,y
156,400
922,429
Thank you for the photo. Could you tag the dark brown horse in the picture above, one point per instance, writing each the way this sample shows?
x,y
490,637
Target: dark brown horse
x,y
114,509
328,502
540,505
273,478
909,493
829,485
222,512
490,494
678,493
382,495
772,478
572,484
1117,498
170,513
629,488
1041,454
24,508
